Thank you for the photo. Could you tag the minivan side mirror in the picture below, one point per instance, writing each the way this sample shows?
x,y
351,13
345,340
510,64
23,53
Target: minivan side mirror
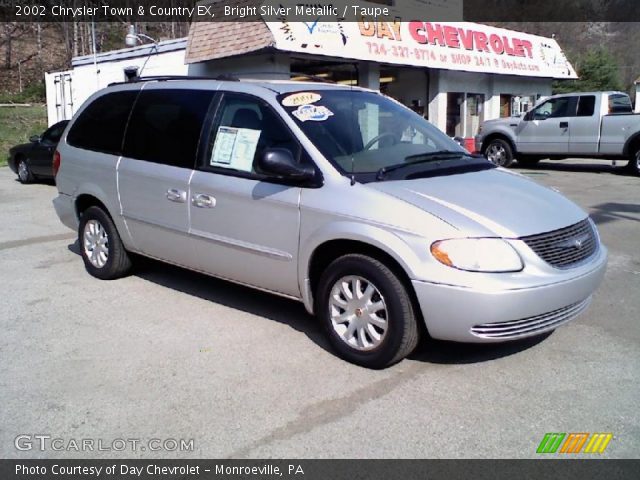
x,y
34,138
280,162
528,116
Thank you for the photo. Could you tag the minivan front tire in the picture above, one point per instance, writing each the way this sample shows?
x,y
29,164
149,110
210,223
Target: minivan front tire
x,y
366,311
101,248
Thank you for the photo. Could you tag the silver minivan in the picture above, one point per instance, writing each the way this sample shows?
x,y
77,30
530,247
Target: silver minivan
x,y
338,197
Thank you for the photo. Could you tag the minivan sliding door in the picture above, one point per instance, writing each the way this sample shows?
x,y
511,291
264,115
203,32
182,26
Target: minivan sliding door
x,y
159,154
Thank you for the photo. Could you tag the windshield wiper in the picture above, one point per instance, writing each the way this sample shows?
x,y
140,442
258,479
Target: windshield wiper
x,y
423,158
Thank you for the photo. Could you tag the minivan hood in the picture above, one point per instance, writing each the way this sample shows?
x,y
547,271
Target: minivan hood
x,y
488,203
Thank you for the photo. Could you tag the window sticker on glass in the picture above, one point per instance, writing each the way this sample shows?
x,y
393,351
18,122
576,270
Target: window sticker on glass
x,y
301,98
315,113
235,148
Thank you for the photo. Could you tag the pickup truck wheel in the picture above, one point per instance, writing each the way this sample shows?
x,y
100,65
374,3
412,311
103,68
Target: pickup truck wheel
x,y
366,311
499,151
102,250
634,163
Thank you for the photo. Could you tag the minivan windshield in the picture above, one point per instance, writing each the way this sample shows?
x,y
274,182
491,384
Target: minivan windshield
x,y
367,135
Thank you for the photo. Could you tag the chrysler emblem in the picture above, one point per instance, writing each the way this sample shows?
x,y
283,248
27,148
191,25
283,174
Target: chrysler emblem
x,y
576,243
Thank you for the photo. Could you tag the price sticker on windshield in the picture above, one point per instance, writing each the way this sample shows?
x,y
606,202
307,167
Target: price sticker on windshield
x,y
301,98
315,113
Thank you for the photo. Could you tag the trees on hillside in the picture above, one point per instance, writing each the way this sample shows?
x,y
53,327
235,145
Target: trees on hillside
x,y
598,71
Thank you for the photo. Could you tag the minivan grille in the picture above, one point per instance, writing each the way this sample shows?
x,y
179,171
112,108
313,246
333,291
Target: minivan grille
x,y
565,247
532,325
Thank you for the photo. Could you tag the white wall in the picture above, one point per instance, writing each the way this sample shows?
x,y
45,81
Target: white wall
x,y
88,78
91,78
490,85
59,91
260,66
638,97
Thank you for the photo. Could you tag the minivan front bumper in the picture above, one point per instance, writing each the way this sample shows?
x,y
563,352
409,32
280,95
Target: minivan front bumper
x,y
466,314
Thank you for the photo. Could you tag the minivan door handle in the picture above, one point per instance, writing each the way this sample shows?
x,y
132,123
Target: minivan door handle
x,y
564,124
175,195
201,200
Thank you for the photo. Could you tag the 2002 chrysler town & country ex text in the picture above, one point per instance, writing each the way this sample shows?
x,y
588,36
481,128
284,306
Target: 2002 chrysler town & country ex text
x,y
338,197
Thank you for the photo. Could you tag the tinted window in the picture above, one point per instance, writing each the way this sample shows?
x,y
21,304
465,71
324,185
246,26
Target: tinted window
x,y
52,136
101,125
165,126
556,107
243,129
586,106
620,104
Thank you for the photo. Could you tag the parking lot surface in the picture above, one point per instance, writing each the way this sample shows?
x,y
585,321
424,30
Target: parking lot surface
x,y
171,354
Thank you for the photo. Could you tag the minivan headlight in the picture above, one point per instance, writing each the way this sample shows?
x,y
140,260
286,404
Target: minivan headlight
x,y
477,255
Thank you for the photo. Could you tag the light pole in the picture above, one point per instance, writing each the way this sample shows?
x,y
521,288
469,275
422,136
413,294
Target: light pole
x,y
132,39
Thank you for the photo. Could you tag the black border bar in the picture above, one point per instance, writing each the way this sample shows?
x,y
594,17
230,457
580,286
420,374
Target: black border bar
x,y
345,10
196,469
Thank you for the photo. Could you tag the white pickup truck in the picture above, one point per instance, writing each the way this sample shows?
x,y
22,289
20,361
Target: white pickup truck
x,y
574,125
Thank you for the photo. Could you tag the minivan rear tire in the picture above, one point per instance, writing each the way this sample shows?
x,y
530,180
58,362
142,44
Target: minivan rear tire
x,y
379,288
98,235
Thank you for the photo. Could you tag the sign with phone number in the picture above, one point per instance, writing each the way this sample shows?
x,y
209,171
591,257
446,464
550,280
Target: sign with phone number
x,y
447,45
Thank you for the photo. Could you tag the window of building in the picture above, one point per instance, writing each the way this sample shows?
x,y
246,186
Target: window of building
x,y
465,113
505,105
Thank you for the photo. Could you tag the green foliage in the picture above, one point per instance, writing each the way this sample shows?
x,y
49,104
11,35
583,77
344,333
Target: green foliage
x,y
598,71
33,93
17,124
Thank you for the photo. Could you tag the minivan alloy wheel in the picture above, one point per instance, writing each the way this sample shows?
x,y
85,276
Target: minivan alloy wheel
x,y
358,312
96,243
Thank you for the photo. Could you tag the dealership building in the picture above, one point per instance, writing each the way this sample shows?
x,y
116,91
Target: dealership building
x,y
455,74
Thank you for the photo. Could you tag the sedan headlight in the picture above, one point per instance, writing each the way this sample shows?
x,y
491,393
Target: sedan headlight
x,y
477,255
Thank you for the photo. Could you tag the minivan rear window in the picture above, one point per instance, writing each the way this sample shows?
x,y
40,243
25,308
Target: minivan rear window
x,y
165,126
100,127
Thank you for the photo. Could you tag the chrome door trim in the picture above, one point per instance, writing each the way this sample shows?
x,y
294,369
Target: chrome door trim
x,y
249,247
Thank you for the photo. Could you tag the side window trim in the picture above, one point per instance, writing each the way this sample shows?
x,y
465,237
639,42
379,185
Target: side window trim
x,y
207,129
118,151
213,123
586,98
126,126
211,103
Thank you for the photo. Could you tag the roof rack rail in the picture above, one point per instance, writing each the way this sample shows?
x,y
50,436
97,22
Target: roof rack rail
x,y
163,78
227,77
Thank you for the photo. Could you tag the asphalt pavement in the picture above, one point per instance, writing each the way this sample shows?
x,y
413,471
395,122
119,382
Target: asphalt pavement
x,y
168,354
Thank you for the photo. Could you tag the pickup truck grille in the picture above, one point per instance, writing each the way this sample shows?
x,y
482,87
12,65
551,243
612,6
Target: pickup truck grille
x,y
566,247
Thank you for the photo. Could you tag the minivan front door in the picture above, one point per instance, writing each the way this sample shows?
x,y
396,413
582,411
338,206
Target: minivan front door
x,y
159,155
246,227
